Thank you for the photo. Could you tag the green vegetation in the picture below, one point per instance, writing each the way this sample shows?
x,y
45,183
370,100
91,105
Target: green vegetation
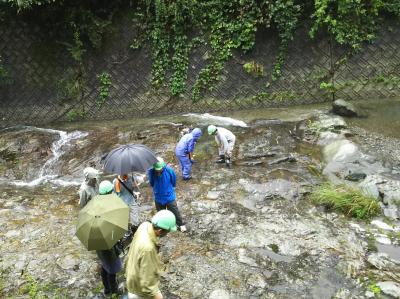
x,y
71,85
2,282
36,290
74,114
394,236
105,83
174,29
387,80
274,247
328,87
254,68
8,156
346,200
351,22
374,288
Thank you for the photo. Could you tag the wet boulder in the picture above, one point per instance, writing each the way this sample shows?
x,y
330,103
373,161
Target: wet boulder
x,y
328,123
382,261
355,176
390,288
343,108
340,150
327,137
219,294
346,162
384,187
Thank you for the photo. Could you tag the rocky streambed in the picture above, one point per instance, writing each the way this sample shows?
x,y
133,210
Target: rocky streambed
x,y
253,232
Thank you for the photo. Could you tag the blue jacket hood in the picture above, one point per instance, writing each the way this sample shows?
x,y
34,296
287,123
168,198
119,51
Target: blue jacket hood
x,y
196,133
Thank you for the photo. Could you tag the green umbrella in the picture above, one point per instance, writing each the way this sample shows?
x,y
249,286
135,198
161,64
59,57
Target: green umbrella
x,y
102,222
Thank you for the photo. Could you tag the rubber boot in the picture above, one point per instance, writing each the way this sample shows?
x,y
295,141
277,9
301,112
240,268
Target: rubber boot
x,y
114,284
221,159
106,282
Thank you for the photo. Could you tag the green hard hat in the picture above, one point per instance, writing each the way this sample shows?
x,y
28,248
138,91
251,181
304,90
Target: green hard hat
x,y
211,129
160,164
165,219
105,187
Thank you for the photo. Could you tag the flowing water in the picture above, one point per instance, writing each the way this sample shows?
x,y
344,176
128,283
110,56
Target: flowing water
x,y
252,232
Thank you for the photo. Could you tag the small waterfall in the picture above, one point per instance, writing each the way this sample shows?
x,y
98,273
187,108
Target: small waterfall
x,y
46,173
218,120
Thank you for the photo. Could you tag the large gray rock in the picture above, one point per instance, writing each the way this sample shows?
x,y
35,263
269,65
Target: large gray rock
x,y
329,123
390,288
340,150
381,185
343,108
219,294
346,162
382,261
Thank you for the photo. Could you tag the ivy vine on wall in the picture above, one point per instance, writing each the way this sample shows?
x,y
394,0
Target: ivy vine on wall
x,y
228,25
175,27
104,88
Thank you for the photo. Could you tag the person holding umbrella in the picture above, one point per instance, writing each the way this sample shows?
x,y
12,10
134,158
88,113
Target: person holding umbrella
x,y
184,152
123,187
162,179
143,265
109,258
101,224
126,159
88,188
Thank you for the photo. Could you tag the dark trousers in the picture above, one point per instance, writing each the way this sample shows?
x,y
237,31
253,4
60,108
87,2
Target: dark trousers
x,y
173,207
109,281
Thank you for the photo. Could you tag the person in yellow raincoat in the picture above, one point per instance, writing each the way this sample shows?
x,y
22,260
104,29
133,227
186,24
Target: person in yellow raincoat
x,y
143,265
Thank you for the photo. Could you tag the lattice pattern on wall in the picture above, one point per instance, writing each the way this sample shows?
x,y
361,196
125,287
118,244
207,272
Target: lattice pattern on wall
x,y
32,95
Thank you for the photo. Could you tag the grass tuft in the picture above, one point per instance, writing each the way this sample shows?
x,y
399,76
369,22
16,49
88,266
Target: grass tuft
x,y
351,202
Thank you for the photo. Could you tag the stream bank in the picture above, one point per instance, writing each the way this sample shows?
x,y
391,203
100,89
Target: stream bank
x,y
252,231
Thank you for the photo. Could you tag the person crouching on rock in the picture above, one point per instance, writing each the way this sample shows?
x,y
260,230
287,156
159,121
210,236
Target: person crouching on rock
x,y
110,261
225,140
162,179
184,152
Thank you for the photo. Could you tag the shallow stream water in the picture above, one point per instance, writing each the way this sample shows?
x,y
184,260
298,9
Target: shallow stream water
x,y
252,231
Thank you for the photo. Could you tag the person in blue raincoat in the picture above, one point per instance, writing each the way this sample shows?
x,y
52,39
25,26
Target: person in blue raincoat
x,y
184,152
162,179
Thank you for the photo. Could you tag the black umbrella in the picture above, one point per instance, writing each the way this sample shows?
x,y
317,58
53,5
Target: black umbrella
x,y
129,158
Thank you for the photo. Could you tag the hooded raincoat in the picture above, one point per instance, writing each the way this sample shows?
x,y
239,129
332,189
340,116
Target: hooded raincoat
x,y
185,146
143,266
87,191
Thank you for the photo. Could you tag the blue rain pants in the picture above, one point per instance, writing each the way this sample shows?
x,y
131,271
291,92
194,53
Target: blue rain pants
x,y
186,166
